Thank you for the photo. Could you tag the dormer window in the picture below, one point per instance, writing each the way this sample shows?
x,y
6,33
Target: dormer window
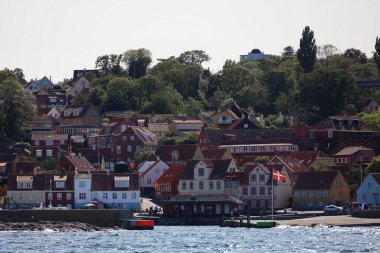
x,y
24,182
121,182
201,172
175,156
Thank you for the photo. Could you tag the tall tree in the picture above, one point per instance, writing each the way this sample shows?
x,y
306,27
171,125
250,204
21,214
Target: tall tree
x,y
15,107
326,51
307,52
137,62
376,55
109,64
356,55
194,57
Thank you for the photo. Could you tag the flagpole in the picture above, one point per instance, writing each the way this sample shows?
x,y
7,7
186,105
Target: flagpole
x,y
272,193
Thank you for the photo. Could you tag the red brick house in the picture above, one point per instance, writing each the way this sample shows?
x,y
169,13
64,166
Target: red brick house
x,y
49,144
60,190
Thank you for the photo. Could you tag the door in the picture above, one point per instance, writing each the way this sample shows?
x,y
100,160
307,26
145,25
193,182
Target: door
x,y
218,209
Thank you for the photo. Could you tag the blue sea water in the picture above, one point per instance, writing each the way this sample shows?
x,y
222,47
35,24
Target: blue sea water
x,y
198,239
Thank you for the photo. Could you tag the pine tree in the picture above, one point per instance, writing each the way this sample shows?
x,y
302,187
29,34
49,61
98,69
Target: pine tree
x,y
376,55
307,53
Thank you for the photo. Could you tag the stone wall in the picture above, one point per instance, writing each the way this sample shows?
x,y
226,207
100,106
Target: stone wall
x,y
98,217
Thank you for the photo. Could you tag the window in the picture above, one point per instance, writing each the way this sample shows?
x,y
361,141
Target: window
x,y
201,172
124,195
262,190
41,196
325,194
201,185
105,195
369,185
31,196
319,194
49,143
118,150
183,185
138,147
134,195
62,142
149,181
82,184
68,196
59,196
121,183
82,195
376,197
124,138
38,153
49,153
28,185
311,194
253,178
311,134
36,143
310,204
330,134
191,185
262,178
60,184
21,196
296,194
253,191
20,185
244,190
129,148
218,185
245,125
364,197
211,185
50,196
114,195
132,137
304,194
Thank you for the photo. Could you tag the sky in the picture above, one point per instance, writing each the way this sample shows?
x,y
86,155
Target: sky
x,y
54,37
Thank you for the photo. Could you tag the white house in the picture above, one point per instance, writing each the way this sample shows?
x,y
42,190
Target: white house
x,y
82,189
150,171
205,177
78,85
256,188
39,84
369,191
119,190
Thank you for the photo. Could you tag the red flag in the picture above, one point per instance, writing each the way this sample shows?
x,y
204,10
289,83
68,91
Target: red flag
x,y
278,176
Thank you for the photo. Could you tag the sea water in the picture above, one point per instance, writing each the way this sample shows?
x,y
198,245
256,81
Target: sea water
x,y
198,239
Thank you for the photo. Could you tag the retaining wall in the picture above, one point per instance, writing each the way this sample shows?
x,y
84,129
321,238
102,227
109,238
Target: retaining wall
x,y
98,217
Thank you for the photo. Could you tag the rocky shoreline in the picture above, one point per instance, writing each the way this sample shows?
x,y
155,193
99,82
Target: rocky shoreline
x,y
51,225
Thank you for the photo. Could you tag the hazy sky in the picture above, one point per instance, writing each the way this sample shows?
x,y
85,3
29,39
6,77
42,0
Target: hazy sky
x,y
53,37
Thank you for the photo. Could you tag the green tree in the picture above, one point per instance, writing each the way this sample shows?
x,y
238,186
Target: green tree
x,y
372,120
119,95
166,101
287,52
194,57
376,55
142,154
15,107
137,62
307,52
374,166
326,91
325,52
50,164
262,159
109,64
356,55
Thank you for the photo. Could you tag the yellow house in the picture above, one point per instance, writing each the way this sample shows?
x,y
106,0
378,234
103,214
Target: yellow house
x,y
160,129
27,190
316,189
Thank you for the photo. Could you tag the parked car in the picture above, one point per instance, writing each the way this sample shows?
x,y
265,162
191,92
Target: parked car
x,y
330,209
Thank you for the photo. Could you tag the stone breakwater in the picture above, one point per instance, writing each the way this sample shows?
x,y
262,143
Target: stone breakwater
x,y
51,225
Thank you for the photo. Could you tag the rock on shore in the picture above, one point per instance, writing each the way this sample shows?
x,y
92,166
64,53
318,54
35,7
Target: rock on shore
x,y
49,225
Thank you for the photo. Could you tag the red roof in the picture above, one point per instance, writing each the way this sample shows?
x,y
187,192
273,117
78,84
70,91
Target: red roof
x,y
170,174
